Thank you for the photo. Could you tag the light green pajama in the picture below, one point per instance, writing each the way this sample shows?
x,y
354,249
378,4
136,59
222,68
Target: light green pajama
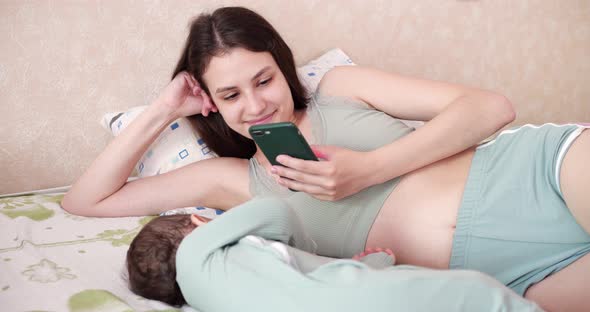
x,y
514,223
245,260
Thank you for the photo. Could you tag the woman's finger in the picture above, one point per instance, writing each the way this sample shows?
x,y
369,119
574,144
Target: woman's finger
x,y
313,190
308,166
213,106
198,91
193,80
189,82
208,101
296,175
208,106
194,85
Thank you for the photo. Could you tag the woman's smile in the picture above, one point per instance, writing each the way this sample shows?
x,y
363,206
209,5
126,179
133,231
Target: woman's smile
x,y
264,119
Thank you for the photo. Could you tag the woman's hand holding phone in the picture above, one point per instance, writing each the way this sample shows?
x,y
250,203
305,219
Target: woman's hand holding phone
x,y
339,173
183,96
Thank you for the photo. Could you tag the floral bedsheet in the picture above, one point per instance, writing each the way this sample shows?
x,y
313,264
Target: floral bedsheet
x,y
51,260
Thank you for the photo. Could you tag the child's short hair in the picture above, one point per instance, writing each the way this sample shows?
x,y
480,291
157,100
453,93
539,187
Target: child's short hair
x,y
151,259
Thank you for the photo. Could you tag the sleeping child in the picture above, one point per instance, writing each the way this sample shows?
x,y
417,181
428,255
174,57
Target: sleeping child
x,y
257,257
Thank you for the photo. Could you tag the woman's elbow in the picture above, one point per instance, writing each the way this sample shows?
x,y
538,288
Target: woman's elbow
x,y
502,109
67,206
508,108
71,207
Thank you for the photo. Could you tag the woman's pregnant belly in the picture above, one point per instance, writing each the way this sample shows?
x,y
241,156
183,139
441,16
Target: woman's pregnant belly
x,y
417,220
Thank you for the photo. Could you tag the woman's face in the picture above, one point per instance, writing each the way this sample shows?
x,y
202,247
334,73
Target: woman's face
x,y
248,88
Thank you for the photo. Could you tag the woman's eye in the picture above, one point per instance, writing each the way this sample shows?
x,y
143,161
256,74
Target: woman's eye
x,y
230,97
234,95
264,82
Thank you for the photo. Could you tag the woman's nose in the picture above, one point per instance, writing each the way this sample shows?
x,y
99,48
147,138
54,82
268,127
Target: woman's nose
x,y
255,105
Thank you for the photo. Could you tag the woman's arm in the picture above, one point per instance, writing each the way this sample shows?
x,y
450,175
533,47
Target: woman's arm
x,y
102,190
458,117
109,171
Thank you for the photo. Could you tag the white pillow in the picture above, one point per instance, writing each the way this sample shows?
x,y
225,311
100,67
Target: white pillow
x,y
311,73
178,145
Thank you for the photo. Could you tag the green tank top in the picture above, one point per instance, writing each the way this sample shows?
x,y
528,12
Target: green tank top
x,y
339,228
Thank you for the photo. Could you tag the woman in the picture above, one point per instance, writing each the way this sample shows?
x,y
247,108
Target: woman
x,y
236,71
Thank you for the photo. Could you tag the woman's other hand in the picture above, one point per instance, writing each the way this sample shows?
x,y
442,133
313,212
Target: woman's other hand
x,y
184,97
339,173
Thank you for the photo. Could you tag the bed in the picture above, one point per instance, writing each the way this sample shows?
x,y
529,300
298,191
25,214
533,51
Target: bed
x,y
54,261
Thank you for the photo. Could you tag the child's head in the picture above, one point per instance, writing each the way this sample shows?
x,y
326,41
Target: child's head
x,y
151,258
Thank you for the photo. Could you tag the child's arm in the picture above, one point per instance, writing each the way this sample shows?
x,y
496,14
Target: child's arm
x,y
270,218
204,268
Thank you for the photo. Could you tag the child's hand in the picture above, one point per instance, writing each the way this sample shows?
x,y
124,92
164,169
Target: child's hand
x,y
369,251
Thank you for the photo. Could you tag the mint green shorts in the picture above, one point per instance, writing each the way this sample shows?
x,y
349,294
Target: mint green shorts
x,y
513,223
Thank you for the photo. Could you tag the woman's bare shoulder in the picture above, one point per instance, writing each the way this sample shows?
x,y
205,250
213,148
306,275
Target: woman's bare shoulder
x,y
337,82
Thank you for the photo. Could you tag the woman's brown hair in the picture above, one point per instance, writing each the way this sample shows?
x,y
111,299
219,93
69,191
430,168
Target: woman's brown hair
x,y
217,33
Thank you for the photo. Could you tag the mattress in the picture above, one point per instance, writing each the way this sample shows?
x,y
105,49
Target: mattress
x,y
51,260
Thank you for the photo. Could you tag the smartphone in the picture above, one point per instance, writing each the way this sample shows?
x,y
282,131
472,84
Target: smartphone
x,y
282,138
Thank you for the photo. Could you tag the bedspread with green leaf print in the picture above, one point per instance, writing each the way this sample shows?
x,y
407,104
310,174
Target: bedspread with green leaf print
x,y
54,261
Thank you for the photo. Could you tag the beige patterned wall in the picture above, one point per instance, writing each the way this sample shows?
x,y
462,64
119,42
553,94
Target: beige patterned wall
x,y
65,63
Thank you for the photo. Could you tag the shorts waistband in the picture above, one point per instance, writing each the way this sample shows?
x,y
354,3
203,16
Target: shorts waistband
x,y
469,203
